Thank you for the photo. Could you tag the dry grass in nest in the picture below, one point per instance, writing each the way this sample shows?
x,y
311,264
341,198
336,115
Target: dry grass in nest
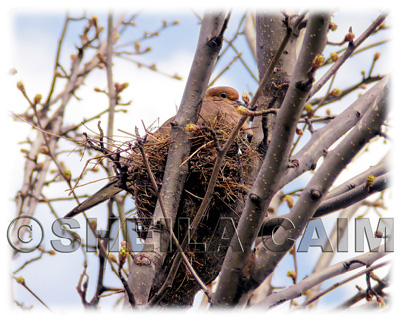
x,y
229,187
229,193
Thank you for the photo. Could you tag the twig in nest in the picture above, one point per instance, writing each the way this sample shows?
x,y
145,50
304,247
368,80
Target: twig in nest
x,y
196,128
198,149
202,209
175,240
239,159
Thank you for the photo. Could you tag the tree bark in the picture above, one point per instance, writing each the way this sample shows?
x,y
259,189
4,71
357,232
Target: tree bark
x,y
233,280
146,265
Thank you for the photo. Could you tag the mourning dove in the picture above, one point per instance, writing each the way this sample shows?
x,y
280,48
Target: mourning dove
x,y
218,102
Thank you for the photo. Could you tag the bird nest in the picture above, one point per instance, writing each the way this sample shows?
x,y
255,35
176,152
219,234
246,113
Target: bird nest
x,y
227,200
233,181
229,189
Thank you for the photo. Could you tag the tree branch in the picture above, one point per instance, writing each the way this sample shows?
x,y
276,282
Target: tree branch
x,y
300,288
350,49
378,170
361,294
231,282
210,40
180,250
352,196
340,283
349,193
268,254
325,137
112,95
335,237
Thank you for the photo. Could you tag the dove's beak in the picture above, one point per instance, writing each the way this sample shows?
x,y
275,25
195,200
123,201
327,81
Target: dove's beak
x,y
240,103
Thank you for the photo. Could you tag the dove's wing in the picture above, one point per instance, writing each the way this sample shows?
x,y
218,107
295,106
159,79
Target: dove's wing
x,y
105,193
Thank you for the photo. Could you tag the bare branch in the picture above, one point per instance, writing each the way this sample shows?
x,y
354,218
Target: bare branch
x,y
300,288
210,41
112,95
323,138
268,254
361,294
340,283
21,281
352,196
349,193
231,285
335,237
350,49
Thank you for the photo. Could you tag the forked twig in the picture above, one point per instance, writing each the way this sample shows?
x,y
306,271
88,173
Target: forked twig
x,y
349,51
342,282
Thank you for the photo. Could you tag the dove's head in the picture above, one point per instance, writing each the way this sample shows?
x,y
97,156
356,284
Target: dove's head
x,y
226,94
222,102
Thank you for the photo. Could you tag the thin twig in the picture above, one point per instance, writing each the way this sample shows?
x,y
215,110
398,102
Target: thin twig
x,y
128,291
21,281
340,283
309,125
330,61
322,101
29,262
224,70
60,42
297,140
112,95
151,67
350,49
319,119
230,43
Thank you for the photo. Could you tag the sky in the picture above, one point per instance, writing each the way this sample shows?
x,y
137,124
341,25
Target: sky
x,y
31,37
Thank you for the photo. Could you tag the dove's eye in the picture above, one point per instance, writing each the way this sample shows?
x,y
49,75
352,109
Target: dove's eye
x,y
223,95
